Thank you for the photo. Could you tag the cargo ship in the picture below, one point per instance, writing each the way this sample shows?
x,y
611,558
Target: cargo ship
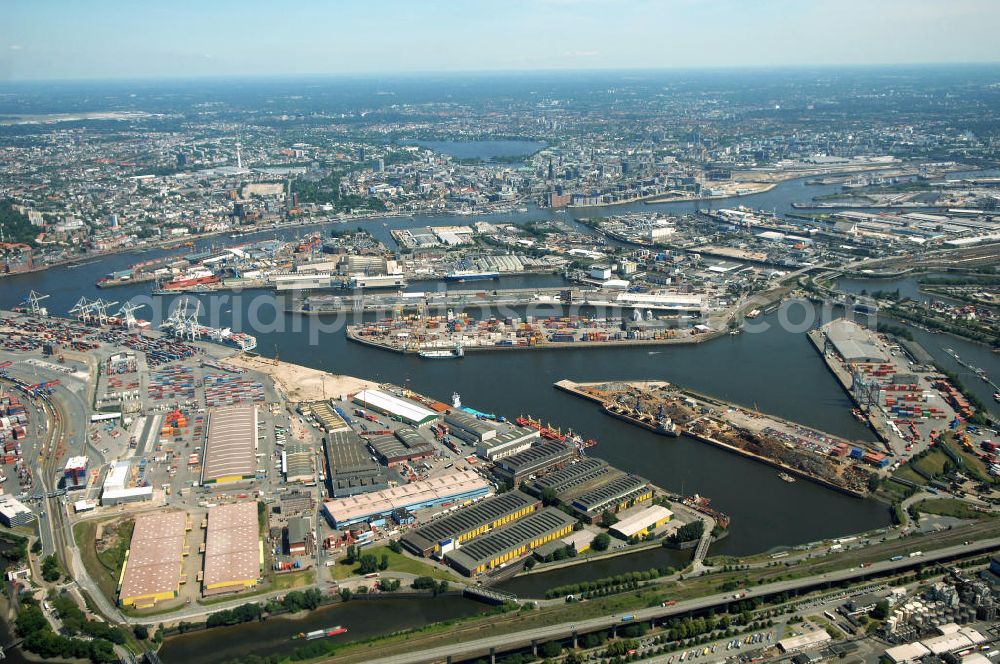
x,y
449,354
320,633
194,280
471,275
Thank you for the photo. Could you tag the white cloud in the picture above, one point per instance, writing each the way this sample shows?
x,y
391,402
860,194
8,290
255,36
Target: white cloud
x,y
15,47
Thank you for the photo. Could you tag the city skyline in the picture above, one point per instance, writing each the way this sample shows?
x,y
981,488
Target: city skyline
x,y
108,41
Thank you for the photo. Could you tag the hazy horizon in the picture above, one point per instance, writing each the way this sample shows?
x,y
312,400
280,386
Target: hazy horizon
x,y
112,39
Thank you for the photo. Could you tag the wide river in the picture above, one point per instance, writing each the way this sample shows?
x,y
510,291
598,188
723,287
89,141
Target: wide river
x,y
777,371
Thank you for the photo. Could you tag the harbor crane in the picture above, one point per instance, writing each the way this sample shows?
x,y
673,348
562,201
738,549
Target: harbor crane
x,y
183,319
101,310
82,308
33,304
127,314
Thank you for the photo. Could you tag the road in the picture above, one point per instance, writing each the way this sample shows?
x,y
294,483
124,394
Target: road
x,y
506,642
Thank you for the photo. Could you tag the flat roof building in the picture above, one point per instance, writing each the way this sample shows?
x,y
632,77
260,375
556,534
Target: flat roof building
x,y
152,570
508,443
537,459
449,532
468,427
511,542
116,489
351,469
402,410
853,342
640,523
13,512
233,553
576,478
392,451
231,445
614,496
802,641
459,486
297,463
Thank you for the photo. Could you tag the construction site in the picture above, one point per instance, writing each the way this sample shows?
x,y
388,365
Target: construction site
x,y
796,450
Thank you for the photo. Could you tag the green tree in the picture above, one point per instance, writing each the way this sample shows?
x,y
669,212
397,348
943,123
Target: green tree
x,y
50,569
550,649
601,542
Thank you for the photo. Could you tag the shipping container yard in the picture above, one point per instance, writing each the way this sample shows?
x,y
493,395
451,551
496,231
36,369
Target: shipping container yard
x,y
416,334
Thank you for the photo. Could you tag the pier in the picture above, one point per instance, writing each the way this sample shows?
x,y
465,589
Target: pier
x,y
787,446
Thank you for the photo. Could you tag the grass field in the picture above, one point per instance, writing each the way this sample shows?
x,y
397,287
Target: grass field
x,y
950,507
104,567
933,463
907,473
397,563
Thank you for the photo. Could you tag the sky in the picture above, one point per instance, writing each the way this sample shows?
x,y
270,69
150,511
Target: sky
x,y
102,39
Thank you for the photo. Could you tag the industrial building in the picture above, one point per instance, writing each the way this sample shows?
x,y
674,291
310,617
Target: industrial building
x,y
231,445
614,496
233,553
853,342
534,460
641,523
511,542
152,571
350,468
75,473
297,463
116,489
402,410
392,451
328,419
508,443
13,512
296,534
457,487
468,427
449,532
576,478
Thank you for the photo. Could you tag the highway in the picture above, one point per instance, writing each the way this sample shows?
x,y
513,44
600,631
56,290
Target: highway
x,y
507,642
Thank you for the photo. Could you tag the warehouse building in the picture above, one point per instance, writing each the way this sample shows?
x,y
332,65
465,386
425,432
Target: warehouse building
x,y
507,443
402,410
231,445
350,467
468,427
457,487
614,496
116,489
449,532
13,512
853,342
233,550
576,478
534,460
152,570
297,463
406,445
641,523
296,534
328,419
511,542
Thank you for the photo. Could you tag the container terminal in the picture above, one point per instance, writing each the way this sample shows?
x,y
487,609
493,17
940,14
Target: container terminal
x,y
907,402
794,449
462,333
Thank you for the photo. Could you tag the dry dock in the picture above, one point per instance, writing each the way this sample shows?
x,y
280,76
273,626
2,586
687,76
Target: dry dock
x,y
788,446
